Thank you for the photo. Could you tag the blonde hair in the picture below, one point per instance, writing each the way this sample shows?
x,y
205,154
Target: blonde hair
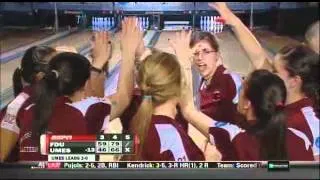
x,y
312,36
159,79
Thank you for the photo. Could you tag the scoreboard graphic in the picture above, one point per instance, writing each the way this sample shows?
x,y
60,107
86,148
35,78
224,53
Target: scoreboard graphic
x,y
71,148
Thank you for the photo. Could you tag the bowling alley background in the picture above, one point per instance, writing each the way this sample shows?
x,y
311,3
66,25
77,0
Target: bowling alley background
x,y
282,17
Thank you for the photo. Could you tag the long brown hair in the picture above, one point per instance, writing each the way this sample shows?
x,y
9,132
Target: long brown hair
x,y
159,79
267,94
301,61
34,60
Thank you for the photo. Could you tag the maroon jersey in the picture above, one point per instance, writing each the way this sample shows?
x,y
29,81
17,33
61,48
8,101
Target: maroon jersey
x,y
302,116
87,116
132,109
13,110
218,99
168,141
235,143
10,114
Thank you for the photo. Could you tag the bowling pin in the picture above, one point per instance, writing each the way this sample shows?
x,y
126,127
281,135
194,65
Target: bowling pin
x,y
103,24
143,22
100,24
96,24
147,25
112,22
78,19
140,23
93,23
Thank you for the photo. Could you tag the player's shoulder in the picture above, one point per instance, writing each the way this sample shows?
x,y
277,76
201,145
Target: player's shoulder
x,y
295,135
233,130
90,102
227,74
15,105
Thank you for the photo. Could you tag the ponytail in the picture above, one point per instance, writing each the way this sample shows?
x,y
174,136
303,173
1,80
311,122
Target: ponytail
x,y
311,85
273,138
66,74
46,92
267,94
160,79
34,60
140,125
17,82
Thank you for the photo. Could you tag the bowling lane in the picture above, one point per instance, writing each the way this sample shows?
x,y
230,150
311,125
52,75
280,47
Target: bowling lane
x,y
233,55
273,42
12,38
77,40
163,43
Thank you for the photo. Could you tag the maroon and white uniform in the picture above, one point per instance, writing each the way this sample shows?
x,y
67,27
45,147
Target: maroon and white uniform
x,y
218,99
302,116
235,143
168,141
13,110
88,116
132,109
10,114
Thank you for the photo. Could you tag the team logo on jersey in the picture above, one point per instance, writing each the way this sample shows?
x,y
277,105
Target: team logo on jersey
x,y
318,142
216,96
220,124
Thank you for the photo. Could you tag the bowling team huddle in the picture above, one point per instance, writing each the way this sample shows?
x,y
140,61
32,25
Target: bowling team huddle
x,y
272,114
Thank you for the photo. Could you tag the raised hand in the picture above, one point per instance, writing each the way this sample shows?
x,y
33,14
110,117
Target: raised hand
x,y
181,47
224,11
101,51
141,49
218,5
130,37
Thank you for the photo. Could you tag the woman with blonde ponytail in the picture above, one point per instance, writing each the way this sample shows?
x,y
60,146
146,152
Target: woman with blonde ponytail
x,y
160,136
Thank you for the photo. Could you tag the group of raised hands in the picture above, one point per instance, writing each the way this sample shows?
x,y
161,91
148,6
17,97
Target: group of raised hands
x,y
131,43
132,47
131,40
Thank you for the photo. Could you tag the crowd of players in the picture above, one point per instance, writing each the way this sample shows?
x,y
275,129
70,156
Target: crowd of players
x,y
272,114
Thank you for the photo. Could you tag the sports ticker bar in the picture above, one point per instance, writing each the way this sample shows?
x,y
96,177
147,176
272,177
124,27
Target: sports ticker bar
x,y
148,165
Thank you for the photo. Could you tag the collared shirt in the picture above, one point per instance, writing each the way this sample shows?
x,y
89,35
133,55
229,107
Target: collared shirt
x,y
218,99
